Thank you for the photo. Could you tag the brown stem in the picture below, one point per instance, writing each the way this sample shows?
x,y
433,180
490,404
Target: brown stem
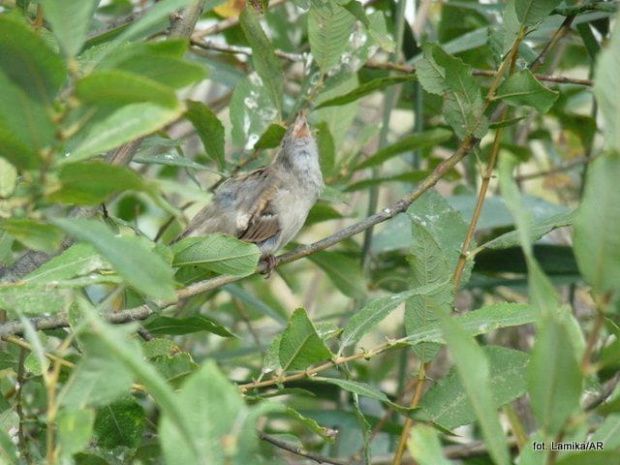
x,y
556,169
486,179
415,401
21,381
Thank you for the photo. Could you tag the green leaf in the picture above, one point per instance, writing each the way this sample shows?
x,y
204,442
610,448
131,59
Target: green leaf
x,y
25,125
522,88
378,30
116,87
442,74
542,294
362,389
343,271
425,447
339,118
77,260
123,125
70,22
90,383
120,424
271,138
206,394
597,222
593,457
166,70
27,60
34,299
175,367
127,352
8,450
75,428
530,12
300,345
139,266
473,368
210,130
606,90
540,228
447,403
327,149
374,312
425,139
91,183
608,431
163,325
217,252
34,235
366,89
249,124
8,178
156,19
478,322
436,241
255,303
554,377
265,62
329,28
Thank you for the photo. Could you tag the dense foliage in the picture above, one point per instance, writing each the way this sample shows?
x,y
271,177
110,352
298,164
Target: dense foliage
x,y
460,302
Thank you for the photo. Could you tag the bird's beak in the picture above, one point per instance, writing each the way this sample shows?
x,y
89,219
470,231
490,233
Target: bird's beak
x,y
300,126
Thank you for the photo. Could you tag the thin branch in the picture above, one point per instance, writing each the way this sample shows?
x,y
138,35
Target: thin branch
x,y
296,57
415,401
184,23
22,442
556,169
563,30
299,451
142,312
484,186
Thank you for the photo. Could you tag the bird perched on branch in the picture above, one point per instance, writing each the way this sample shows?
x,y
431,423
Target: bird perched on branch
x,y
267,206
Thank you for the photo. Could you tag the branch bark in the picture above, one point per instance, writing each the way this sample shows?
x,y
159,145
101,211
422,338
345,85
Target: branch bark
x,y
142,312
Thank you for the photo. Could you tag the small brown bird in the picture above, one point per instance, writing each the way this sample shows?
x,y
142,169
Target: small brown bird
x,y
267,206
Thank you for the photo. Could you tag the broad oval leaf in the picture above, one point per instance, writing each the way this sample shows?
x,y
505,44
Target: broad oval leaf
x,y
329,28
523,88
33,234
178,326
91,183
300,345
123,125
139,266
116,87
374,312
530,12
217,252
27,60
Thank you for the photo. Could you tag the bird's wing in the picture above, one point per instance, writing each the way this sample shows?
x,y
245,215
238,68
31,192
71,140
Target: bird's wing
x,y
257,220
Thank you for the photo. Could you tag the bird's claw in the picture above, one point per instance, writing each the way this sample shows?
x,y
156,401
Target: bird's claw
x,y
271,264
